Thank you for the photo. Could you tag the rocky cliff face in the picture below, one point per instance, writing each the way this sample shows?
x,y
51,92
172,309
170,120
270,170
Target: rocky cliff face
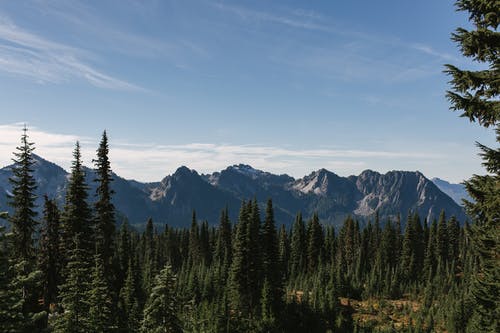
x,y
173,199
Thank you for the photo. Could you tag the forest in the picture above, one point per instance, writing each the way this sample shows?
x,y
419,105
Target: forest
x,y
77,268
250,275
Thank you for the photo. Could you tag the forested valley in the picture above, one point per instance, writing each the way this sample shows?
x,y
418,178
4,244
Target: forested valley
x,y
72,270
78,268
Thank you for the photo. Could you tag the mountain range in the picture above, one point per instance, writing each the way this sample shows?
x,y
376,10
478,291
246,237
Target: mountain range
x,y
172,200
457,192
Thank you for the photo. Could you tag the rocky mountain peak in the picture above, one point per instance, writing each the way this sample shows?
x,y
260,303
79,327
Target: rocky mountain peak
x,y
333,197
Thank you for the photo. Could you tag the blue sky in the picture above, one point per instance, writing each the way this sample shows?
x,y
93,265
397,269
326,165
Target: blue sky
x,y
286,86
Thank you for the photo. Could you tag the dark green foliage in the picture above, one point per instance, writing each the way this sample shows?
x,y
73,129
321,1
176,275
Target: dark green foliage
x,y
249,278
453,239
104,219
24,286
475,93
22,201
148,257
430,261
255,280
129,300
314,243
442,239
123,253
76,218
11,315
272,289
298,246
238,278
284,250
49,254
222,253
74,292
100,301
78,245
25,278
205,252
412,254
160,313
194,242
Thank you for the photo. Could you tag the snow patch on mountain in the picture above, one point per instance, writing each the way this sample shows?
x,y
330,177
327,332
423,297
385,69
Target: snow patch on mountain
x,y
157,193
247,170
316,183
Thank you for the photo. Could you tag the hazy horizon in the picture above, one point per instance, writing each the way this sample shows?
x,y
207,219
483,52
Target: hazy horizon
x,y
287,87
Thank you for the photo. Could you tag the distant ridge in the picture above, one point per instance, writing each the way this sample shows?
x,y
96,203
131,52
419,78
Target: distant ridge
x,y
457,192
171,200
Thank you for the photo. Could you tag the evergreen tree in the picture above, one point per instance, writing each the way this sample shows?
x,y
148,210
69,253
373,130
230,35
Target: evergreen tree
x,y
129,299
148,258
399,238
11,314
76,219
238,278
23,225
74,293
194,242
349,240
297,246
104,208
314,243
271,267
364,264
123,251
205,250
100,300
49,256
160,313
412,253
475,94
223,244
387,247
453,239
442,239
268,304
22,201
254,270
430,252
284,249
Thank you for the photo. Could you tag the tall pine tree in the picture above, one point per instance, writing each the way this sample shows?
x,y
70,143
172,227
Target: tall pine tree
x,y
77,216
272,291
314,243
223,244
104,208
238,277
475,93
22,201
24,225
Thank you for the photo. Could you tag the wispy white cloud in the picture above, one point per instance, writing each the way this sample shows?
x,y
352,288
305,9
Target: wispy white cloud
x,y
129,158
104,33
29,55
354,55
431,51
55,147
351,63
301,19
